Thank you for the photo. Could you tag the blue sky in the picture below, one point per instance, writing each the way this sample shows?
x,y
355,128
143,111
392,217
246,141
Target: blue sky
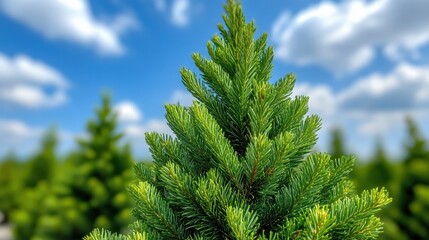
x,y
364,64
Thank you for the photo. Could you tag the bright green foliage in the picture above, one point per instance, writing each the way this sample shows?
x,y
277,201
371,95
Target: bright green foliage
x,y
11,185
239,167
38,175
413,197
30,208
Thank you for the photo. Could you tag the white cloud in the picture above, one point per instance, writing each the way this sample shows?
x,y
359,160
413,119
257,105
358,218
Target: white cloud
x,y
31,97
343,37
133,124
29,83
153,125
322,101
135,134
160,5
182,97
379,123
180,12
14,131
24,139
375,105
71,21
135,127
405,88
16,135
24,69
128,112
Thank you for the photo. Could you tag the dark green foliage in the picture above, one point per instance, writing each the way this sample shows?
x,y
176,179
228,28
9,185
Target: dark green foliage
x,y
407,181
378,172
30,209
413,200
239,167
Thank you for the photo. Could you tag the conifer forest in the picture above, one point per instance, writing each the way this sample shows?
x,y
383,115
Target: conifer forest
x,y
242,160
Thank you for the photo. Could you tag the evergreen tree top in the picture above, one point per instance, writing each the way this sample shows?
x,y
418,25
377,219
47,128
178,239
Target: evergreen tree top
x,y
416,144
101,145
41,166
103,125
239,166
380,152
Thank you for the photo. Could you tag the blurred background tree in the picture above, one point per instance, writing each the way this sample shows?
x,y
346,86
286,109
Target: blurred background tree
x,y
38,174
88,189
41,167
11,183
413,196
103,170
378,172
337,145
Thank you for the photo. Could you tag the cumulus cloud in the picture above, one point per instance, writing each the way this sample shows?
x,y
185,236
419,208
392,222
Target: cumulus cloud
x,y
24,138
322,101
373,106
15,133
180,12
71,21
135,134
377,103
128,112
135,126
403,90
30,83
344,36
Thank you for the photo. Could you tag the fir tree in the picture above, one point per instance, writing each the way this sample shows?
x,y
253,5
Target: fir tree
x,y
413,200
239,167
